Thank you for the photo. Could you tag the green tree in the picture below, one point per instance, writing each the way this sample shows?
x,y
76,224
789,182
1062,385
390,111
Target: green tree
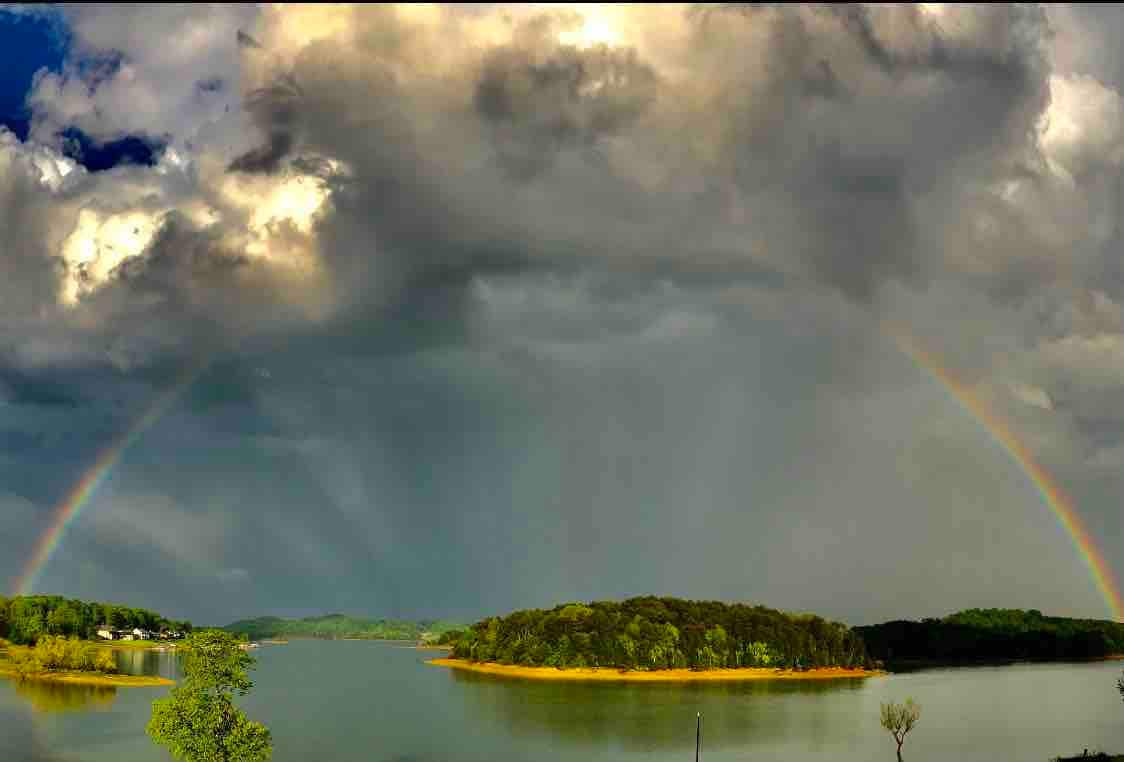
x,y
1120,687
198,721
899,719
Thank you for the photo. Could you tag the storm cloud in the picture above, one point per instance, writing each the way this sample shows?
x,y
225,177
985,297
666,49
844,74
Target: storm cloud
x,y
501,306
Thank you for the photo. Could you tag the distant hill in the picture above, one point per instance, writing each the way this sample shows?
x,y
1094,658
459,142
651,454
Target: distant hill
x,y
991,635
661,633
341,626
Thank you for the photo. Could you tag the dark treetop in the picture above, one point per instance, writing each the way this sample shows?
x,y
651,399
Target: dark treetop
x,y
991,635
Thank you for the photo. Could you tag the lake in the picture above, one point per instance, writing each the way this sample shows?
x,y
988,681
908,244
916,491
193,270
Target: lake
x,y
357,700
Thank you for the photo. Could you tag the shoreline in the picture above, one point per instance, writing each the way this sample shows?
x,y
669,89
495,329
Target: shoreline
x,y
612,674
133,645
90,678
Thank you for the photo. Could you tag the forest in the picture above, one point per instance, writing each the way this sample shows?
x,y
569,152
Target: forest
x,y
651,633
24,619
991,635
340,626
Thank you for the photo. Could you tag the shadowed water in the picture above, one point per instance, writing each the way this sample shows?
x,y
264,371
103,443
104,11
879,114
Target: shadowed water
x,y
354,700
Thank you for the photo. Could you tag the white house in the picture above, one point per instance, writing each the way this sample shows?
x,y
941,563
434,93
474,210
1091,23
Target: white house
x,y
139,634
105,632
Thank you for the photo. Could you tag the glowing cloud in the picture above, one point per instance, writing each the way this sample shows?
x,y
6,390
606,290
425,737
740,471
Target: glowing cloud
x,y
99,244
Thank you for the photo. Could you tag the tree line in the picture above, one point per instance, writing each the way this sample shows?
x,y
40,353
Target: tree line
x,y
649,633
339,626
26,618
990,635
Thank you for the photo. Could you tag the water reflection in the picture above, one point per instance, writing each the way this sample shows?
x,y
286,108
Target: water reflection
x,y
649,717
46,696
149,662
18,740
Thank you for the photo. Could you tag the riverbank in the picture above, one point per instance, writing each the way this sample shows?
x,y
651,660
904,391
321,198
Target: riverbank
x,y
89,678
133,645
654,676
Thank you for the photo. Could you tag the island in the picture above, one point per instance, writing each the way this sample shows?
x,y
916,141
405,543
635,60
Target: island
x,y
991,636
660,639
342,627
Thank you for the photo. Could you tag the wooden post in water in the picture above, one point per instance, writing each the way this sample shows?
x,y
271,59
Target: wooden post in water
x,y
698,734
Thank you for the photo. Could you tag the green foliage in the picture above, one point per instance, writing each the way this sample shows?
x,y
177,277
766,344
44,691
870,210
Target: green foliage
x,y
899,719
660,633
450,637
983,635
25,618
198,720
340,626
54,653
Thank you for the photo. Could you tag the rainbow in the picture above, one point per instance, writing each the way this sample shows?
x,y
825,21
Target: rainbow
x,y
1052,493
64,514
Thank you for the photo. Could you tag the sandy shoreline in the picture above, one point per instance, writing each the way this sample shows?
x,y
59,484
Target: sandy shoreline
x,y
90,678
657,676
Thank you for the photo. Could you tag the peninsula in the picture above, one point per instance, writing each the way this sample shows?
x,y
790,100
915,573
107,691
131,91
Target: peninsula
x,y
991,636
57,659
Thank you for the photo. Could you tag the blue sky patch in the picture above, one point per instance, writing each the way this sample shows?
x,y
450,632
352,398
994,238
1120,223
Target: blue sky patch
x,y
30,41
98,157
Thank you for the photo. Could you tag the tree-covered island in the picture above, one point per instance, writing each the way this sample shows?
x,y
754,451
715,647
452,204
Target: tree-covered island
x,y
650,634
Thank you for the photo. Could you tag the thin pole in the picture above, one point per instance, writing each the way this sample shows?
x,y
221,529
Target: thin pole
x,y
698,735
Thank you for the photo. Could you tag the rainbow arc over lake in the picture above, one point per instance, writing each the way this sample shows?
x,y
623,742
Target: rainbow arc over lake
x,y
1055,497
71,506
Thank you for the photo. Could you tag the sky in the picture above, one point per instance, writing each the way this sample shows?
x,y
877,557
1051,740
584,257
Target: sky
x,y
431,311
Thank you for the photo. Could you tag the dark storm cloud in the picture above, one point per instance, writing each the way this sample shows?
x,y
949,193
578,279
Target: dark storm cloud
x,y
563,309
246,41
24,389
571,99
274,109
838,185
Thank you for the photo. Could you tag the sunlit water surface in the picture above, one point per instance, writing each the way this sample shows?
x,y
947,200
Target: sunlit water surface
x,y
355,700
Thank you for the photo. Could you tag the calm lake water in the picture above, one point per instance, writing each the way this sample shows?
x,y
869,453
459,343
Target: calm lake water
x,y
354,700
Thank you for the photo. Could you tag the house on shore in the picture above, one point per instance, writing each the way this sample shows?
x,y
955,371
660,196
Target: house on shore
x,y
105,632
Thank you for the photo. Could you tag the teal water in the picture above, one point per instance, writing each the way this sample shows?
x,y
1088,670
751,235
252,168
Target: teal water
x,y
355,700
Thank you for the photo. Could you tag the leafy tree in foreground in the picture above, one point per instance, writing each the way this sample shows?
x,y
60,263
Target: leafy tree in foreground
x,y
198,721
899,719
